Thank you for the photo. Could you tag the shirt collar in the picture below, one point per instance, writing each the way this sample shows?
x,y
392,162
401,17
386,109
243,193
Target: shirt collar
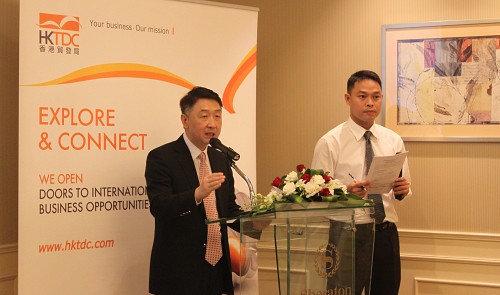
x,y
359,131
194,150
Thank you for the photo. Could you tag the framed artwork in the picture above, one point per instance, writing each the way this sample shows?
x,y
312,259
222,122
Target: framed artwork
x,y
441,80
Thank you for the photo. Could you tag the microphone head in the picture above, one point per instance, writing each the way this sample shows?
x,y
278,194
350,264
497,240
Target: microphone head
x,y
214,141
229,152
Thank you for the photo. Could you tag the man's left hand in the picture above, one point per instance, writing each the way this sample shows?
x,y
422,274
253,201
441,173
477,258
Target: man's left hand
x,y
401,186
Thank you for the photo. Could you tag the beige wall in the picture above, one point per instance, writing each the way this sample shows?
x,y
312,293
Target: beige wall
x,y
9,71
450,228
306,52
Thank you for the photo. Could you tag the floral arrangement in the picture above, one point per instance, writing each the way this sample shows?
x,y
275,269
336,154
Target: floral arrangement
x,y
305,185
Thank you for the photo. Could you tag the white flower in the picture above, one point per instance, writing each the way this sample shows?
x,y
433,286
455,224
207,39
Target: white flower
x,y
318,179
277,193
311,189
336,184
300,184
289,188
269,199
292,176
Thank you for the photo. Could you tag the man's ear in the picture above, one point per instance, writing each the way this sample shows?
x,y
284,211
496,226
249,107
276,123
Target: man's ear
x,y
184,120
347,98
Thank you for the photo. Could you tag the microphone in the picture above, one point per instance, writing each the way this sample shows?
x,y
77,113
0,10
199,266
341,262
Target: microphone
x,y
229,152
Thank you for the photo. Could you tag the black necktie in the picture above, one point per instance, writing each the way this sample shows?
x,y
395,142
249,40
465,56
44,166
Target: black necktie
x,y
379,214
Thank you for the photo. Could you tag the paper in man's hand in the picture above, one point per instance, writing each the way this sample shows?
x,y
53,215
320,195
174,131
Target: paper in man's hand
x,y
383,171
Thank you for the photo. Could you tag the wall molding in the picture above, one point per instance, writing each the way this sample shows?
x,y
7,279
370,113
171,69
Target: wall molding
x,y
408,257
273,270
419,280
263,270
451,259
423,257
8,248
412,233
7,278
468,236
8,268
433,244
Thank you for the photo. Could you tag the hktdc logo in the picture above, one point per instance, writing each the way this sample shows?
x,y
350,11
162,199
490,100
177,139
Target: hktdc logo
x,y
59,33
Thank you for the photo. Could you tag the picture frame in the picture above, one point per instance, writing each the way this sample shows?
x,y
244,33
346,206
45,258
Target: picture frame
x,y
441,80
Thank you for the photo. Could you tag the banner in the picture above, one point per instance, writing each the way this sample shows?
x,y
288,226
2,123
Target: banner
x,y
100,84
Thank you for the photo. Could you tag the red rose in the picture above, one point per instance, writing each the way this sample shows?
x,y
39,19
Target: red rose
x,y
325,192
301,167
277,182
327,178
306,177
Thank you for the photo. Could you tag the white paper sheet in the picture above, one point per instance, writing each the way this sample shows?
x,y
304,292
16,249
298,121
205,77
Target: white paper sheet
x,y
383,171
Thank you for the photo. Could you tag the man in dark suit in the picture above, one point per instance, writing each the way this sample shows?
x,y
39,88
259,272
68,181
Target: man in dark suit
x,y
177,196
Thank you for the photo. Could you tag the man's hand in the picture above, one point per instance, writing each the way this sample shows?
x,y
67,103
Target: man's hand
x,y
401,186
208,184
358,188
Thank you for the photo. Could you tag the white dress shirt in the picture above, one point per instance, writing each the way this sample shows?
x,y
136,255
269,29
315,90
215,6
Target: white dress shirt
x,y
195,152
342,151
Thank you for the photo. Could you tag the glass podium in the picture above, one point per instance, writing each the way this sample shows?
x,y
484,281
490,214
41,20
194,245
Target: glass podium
x,y
308,248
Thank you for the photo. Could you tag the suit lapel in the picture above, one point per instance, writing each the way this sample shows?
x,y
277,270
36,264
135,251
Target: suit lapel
x,y
186,164
217,165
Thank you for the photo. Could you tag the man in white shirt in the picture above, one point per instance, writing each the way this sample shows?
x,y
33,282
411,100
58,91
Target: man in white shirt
x,y
342,152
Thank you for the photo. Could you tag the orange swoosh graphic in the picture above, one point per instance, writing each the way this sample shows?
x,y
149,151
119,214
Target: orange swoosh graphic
x,y
244,68
60,22
115,70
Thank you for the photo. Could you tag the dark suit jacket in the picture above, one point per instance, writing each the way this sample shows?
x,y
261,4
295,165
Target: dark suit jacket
x,y
180,229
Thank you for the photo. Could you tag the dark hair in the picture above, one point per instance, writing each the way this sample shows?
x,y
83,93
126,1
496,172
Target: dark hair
x,y
190,99
362,75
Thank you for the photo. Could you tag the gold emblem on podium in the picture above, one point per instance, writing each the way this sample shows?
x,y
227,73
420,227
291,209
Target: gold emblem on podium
x,y
327,260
